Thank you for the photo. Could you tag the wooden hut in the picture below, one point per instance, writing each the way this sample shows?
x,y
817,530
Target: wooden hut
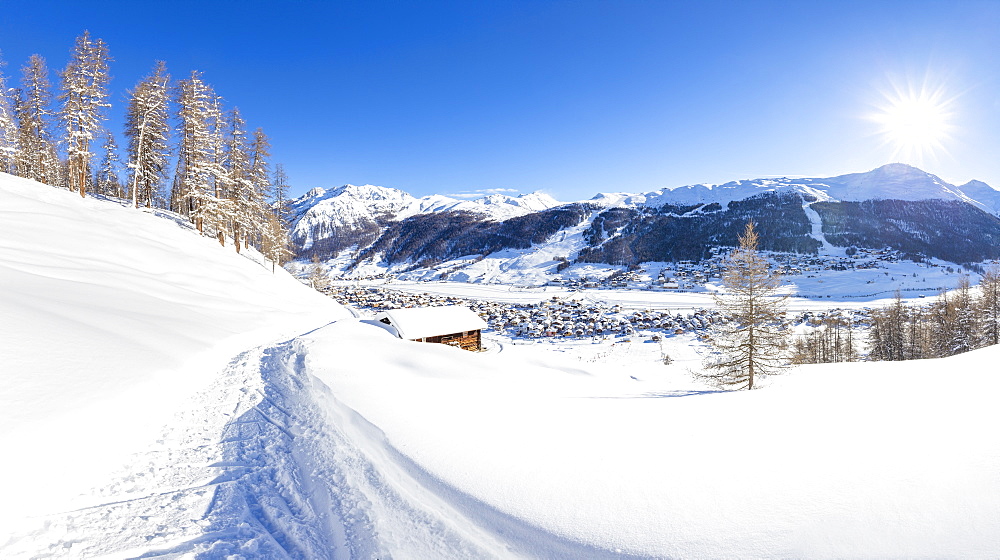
x,y
454,325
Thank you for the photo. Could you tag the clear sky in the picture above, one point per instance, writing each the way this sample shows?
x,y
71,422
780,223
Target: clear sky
x,y
569,97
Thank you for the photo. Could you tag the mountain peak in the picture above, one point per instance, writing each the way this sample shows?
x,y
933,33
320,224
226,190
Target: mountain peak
x,y
976,184
899,168
315,192
370,192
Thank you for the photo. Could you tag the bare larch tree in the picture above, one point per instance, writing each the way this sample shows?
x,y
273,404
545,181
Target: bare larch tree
x,y
751,340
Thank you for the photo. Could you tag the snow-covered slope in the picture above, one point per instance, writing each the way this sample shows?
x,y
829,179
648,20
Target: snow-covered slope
x,y
352,207
109,317
893,181
164,397
834,461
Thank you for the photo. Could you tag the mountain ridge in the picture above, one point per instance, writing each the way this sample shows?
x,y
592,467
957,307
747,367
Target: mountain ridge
x,y
894,181
895,206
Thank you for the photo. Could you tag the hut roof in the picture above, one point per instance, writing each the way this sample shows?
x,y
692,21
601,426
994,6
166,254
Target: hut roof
x,y
420,322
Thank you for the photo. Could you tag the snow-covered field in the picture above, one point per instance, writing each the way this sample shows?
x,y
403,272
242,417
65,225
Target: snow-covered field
x,y
854,289
166,397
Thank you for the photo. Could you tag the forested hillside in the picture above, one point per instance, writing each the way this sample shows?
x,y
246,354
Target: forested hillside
x,y
949,230
177,133
627,236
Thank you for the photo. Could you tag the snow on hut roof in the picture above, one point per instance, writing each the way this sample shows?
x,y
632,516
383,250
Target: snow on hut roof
x,y
420,322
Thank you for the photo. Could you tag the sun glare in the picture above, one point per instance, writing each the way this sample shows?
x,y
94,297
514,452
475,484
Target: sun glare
x,y
915,123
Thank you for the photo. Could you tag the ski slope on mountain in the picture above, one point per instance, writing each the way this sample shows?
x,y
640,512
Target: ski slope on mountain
x,y
164,397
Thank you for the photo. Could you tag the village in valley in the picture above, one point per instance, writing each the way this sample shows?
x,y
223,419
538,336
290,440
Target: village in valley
x,y
670,304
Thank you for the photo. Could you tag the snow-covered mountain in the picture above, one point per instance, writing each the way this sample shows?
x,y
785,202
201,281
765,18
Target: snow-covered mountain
x,y
351,208
896,205
894,181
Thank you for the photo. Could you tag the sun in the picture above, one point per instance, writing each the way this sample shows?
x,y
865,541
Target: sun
x,y
915,122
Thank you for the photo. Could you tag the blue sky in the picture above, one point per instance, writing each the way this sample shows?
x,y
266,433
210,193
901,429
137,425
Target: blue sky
x,y
572,98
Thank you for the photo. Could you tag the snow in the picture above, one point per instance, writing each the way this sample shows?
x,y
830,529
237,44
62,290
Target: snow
x,y
352,205
820,464
110,318
892,181
320,213
166,397
421,322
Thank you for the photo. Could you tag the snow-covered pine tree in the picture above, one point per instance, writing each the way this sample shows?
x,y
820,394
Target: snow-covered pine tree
x,y
965,335
36,156
275,244
279,192
106,180
260,151
200,172
241,193
944,324
989,305
147,127
887,335
8,126
752,338
219,214
84,99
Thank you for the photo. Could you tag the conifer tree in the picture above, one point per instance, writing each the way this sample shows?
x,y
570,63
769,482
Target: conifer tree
x,y
887,335
944,323
830,340
219,213
279,191
84,98
147,128
241,194
275,243
200,172
989,304
751,340
260,151
966,335
36,156
107,181
8,126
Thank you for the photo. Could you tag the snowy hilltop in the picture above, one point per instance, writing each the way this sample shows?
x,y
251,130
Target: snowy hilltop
x,y
167,397
895,181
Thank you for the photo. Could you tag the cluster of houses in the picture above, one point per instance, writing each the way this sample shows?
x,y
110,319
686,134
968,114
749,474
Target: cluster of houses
x,y
692,275
555,317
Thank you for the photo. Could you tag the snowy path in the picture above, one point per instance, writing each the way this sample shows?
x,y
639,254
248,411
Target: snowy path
x,y
267,463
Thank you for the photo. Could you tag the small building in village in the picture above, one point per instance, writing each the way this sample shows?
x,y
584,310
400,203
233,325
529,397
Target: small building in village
x,y
454,325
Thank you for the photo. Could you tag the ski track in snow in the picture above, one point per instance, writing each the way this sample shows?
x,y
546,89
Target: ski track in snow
x,y
817,228
266,463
